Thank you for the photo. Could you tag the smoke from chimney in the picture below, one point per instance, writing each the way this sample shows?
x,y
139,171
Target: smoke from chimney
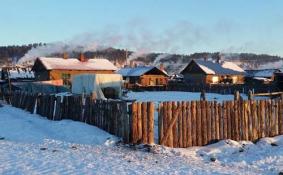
x,y
159,58
161,67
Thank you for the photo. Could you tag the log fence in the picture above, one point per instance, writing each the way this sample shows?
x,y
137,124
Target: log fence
x,y
198,123
179,124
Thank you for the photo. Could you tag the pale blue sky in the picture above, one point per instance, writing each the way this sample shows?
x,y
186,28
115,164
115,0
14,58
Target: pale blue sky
x,y
182,26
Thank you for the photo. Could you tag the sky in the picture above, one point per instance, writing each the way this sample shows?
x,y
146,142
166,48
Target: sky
x,y
171,26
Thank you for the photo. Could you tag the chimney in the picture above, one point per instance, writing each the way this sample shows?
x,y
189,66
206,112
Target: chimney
x,y
131,63
161,67
65,55
205,57
82,57
218,59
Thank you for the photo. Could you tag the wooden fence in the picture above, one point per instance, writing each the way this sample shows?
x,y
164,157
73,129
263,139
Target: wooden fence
x,y
222,88
142,122
197,123
180,124
110,116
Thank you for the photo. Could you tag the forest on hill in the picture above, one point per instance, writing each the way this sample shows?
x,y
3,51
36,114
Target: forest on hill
x,y
10,54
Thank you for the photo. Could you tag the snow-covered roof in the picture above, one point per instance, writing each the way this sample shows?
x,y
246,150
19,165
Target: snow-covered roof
x,y
232,66
75,64
15,74
137,71
224,68
262,73
262,78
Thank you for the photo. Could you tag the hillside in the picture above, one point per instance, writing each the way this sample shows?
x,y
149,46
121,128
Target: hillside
x,y
173,62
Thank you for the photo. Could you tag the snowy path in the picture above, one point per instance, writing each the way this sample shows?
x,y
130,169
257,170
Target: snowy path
x,y
34,145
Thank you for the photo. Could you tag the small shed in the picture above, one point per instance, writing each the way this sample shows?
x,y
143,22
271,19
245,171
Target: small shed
x,y
143,76
263,76
17,73
101,86
209,72
47,68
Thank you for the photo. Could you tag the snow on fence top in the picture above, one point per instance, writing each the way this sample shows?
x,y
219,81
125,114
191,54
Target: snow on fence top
x,y
75,64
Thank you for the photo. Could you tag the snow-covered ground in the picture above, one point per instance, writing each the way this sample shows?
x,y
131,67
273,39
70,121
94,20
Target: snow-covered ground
x,y
30,144
158,96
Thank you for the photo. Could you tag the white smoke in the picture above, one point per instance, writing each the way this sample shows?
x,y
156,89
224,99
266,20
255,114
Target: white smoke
x,y
159,58
136,55
58,47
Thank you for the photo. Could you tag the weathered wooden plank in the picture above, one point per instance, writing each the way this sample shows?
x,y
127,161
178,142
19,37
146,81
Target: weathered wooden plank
x,y
228,116
134,124
140,121
254,120
275,113
250,121
184,124
199,124
245,121
150,106
217,120
169,128
268,119
175,127
144,123
221,120
165,122
232,119
225,120
204,122
212,118
208,118
170,142
160,122
180,125
194,124
188,124
280,115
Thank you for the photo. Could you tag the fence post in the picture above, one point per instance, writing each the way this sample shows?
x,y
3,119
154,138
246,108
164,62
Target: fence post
x,y
134,123
144,123
250,95
160,122
237,95
150,106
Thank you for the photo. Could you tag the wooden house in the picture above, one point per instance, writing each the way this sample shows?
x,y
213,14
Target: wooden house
x,y
203,72
65,68
260,76
143,76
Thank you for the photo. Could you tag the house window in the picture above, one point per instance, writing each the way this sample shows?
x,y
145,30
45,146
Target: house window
x,y
66,79
215,79
234,79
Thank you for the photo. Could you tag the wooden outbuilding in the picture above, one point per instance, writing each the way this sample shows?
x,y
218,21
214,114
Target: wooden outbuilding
x,y
260,76
144,76
203,72
278,79
46,68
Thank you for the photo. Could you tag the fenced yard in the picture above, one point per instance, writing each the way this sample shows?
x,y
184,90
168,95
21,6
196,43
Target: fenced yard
x,y
179,124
